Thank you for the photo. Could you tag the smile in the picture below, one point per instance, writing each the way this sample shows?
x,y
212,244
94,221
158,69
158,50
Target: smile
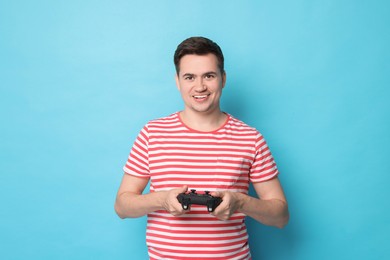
x,y
200,96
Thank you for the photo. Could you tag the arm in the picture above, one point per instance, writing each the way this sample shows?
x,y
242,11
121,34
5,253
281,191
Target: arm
x,y
131,203
269,209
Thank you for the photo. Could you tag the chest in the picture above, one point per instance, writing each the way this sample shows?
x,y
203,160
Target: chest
x,y
202,163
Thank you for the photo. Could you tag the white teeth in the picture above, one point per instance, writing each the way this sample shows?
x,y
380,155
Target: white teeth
x,y
200,96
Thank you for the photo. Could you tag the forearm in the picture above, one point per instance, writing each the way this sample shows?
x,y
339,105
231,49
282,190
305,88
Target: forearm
x,y
272,212
132,205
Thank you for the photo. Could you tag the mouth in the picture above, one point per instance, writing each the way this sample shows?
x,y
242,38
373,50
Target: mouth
x,y
200,97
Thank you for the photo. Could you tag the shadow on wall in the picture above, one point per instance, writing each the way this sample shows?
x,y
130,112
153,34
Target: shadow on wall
x,y
265,242
271,242
234,99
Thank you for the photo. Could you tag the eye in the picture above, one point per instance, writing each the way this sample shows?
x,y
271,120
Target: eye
x,y
209,76
189,77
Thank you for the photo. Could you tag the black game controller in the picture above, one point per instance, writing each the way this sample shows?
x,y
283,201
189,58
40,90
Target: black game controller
x,y
187,199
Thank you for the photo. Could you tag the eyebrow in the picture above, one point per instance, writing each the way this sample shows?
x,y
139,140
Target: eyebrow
x,y
206,73
188,74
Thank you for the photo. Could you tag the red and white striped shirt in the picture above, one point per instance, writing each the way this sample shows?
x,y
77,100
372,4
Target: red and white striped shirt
x,y
173,155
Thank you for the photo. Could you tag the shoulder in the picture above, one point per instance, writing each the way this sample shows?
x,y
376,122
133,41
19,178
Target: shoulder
x,y
166,119
239,125
167,123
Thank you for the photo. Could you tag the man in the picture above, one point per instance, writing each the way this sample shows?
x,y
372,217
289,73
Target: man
x,y
205,149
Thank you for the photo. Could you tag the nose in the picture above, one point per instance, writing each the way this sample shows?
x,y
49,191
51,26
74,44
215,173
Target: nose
x,y
200,86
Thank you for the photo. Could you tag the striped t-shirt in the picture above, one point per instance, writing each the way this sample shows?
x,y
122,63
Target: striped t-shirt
x,y
173,155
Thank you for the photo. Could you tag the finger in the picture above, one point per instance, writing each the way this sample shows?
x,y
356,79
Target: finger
x,y
221,216
216,194
179,211
221,213
217,211
184,188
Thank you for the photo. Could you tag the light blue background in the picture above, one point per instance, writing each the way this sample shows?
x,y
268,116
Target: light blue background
x,y
80,78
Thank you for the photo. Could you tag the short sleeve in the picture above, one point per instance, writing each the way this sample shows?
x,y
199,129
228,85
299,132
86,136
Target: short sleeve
x,y
138,161
264,167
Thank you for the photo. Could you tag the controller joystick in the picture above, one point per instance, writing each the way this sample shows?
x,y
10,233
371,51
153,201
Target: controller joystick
x,y
188,199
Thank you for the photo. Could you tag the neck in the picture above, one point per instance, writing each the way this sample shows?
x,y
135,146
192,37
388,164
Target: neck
x,y
203,121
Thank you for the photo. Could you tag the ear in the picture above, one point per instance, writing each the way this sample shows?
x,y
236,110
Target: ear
x,y
177,81
223,79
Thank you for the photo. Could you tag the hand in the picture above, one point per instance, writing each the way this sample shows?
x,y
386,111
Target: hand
x,y
171,204
231,202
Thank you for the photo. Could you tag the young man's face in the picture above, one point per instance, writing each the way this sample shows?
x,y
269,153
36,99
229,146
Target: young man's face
x,y
200,83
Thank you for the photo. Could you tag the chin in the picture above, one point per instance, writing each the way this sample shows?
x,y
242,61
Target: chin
x,y
203,110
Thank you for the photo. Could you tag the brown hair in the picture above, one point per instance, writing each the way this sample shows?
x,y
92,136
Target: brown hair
x,y
198,46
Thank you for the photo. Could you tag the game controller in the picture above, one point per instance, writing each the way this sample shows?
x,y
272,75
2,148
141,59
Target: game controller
x,y
187,199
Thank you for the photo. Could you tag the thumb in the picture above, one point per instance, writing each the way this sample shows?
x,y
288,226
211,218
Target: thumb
x,y
183,189
216,194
